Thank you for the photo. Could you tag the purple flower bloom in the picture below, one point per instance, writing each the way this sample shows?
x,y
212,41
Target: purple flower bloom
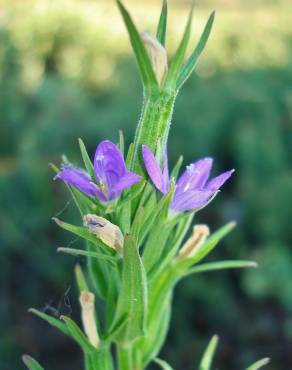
x,y
111,174
193,190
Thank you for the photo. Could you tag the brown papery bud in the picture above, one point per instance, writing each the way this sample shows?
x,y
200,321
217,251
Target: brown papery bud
x,y
194,243
110,234
157,54
88,319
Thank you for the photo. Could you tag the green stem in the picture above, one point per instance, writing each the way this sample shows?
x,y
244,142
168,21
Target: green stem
x,y
154,125
128,359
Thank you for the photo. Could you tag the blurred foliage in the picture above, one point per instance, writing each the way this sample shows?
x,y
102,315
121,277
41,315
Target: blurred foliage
x,y
65,73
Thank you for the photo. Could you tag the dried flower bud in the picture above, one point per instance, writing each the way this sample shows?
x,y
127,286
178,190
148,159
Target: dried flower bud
x,y
88,319
107,232
194,243
157,54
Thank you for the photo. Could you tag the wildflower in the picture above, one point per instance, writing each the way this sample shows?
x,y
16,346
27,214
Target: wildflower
x,y
194,243
157,54
193,190
88,319
111,174
110,234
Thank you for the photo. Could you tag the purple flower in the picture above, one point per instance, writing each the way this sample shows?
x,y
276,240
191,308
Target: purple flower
x,y
111,174
193,190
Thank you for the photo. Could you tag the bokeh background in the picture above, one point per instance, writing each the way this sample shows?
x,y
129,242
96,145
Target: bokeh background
x,y
66,71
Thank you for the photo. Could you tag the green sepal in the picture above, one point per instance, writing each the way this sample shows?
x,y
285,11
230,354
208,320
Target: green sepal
x,y
259,364
189,66
222,265
209,353
144,64
81,252
162,25
77,334
176,168
122,142
132,300
86,159
116,328
51,320
31,363
80,279
163,364
177,62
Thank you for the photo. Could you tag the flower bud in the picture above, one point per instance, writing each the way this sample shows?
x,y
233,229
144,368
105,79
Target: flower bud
x,y
157,54
88,319
194,243
107,232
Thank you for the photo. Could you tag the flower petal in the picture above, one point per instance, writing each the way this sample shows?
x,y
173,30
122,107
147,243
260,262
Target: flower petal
x,y
190,200
216,183
76,177
128,180
196,175
165,176
109,164
153,169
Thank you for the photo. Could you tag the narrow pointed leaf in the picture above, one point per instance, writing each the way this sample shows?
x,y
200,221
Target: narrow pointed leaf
x,y
122,142
31,363
162,25
117,328
81,252
180,54
86,159
83,233
133,294
163,364
78,335
51,320
259,364
208,356
177,167
81,280
222,265
193,59
143,60
208,246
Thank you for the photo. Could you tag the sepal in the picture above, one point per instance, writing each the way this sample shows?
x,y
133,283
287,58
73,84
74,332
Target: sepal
x,y
31,363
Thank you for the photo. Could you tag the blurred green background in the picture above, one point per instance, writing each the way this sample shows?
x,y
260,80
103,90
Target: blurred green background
x,y
66,72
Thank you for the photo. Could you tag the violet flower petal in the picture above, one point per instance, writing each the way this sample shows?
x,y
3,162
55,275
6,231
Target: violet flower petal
x,y
76,177
216,183
109,165
128,180
196,175
190,200
159,180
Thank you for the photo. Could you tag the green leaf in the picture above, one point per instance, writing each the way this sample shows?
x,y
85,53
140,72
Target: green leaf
x,y
81,252
80,278
257,365
51,320
193,59
78,335
86,159
143,60
177,167
222,265
161,30
163,364
179,56
31,364
207,358
115,330
122,142
133,294
207,247
83,233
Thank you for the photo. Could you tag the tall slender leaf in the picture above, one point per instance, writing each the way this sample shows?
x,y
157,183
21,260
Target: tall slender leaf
x,y
207,358
133,294
162,25
31,363
86,159
259,364
193,59
81,252
51,320
222,265
143,60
